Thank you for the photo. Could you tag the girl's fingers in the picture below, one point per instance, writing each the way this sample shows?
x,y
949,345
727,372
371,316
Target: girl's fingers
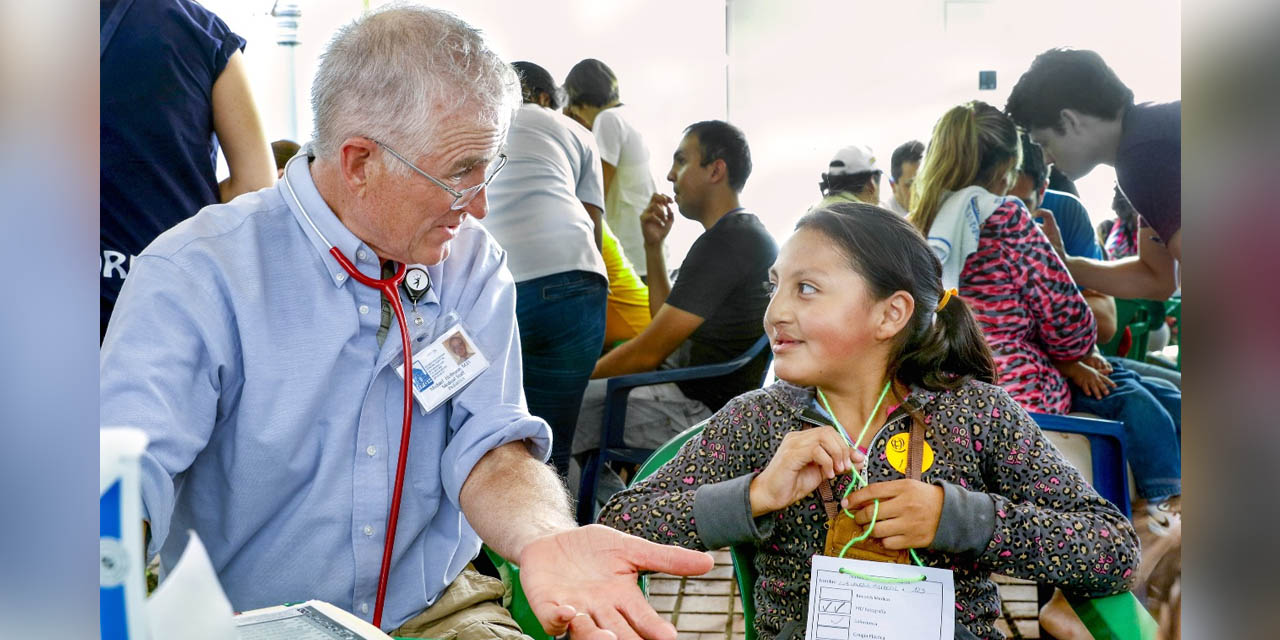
x,y
817,455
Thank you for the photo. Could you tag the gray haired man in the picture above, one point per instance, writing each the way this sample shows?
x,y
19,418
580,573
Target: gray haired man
x,y
267,380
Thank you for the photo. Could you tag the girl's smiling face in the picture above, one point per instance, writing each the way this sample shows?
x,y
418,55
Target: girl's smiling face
x,y
823,321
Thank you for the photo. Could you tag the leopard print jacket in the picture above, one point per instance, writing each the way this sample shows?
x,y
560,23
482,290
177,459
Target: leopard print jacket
x,y
1044,522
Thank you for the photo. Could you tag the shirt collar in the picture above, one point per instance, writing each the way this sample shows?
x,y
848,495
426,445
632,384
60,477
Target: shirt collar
x,y
297,182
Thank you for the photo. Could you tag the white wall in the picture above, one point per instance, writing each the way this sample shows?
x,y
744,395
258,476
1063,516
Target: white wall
x,y
810,76
668,55
803,77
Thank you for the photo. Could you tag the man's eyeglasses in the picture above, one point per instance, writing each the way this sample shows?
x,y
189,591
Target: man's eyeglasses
x,y
460,198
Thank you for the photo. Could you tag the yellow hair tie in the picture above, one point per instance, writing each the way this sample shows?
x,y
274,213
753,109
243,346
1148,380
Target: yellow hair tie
x,y
946,297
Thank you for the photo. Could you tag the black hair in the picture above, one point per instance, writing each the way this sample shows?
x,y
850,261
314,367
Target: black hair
x,y
937,349
912,151
591,83
536,81
848,182
1124,210
283,150
1058,181
1033,165
1066,79
719,140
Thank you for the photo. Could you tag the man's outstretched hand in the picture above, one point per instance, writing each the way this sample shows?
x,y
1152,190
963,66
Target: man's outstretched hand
x,y
584,580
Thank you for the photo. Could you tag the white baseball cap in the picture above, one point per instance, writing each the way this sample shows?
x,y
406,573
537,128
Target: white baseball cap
x,y
851,160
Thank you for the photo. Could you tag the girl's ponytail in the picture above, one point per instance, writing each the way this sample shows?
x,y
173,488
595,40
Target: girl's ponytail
x,y
972,144
948,352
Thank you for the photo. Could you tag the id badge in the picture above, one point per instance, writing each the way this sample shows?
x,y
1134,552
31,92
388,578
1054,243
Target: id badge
x,y
444,367
859,599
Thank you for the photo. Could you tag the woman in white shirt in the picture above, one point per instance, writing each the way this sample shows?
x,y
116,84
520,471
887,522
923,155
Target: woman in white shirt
x,y
544,209
592,91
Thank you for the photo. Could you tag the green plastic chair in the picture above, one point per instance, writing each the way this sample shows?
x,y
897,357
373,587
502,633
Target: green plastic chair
x,y
1117,617
1134,315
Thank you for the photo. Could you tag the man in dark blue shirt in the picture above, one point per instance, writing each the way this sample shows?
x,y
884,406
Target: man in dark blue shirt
x,y
173,76
1076,107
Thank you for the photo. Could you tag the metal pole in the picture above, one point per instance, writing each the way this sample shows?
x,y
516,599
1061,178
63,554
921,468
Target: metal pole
x,y
288,14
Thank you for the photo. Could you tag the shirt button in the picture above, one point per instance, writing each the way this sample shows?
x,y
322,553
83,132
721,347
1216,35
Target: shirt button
x,y
418,320
372,451
368,530
340,277
364,607
361,254
364,308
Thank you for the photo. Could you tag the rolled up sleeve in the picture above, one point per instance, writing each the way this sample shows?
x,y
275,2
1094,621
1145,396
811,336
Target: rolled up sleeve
x,y
491,411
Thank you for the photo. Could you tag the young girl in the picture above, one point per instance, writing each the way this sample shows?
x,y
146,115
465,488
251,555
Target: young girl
x,y
858,309
993,253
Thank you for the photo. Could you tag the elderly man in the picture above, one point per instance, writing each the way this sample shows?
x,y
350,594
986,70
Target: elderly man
x,y
268,381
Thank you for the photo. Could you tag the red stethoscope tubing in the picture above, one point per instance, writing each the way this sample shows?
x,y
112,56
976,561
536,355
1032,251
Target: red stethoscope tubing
x,y
389,287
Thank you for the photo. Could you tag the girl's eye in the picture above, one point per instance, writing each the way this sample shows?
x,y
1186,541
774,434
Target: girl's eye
x,y
770,288
806,288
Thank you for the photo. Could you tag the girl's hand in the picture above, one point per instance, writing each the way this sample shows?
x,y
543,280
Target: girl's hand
x,y
804,459
1091,381
1098,361
908,515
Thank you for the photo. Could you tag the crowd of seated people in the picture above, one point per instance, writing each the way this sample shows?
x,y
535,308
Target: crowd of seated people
x,y
968,288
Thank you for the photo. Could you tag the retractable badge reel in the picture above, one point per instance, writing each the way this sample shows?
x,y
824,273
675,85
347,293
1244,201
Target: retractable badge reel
x,y
417,282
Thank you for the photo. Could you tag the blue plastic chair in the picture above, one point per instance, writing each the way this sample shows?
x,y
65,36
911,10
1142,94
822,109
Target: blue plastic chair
x,y
615,418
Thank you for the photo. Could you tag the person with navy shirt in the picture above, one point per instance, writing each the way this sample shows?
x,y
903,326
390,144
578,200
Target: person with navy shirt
x,y
1074,105
174,88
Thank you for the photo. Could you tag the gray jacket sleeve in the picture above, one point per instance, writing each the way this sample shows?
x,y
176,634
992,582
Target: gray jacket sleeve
x,y
968,520
722,513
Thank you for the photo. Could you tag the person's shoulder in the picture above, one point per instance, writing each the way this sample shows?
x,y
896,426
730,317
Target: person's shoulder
x,y
744,224
1061,202
972,394
781,396
222,230
1151,124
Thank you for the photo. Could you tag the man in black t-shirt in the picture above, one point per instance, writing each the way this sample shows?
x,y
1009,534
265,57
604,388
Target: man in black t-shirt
x,y
714,311
1073,104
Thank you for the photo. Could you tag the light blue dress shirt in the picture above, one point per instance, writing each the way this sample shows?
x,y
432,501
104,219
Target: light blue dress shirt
x,y
250,358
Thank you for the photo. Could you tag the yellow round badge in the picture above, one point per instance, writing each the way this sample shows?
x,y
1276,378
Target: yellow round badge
x,y
896,452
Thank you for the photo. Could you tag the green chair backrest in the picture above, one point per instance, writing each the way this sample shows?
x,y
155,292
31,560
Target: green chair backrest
x,y
743,565
1118,617
515,600
1135,315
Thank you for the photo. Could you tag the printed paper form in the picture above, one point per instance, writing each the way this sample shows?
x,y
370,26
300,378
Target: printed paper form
x,y
846,607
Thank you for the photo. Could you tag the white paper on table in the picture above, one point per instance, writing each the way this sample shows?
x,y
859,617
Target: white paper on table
x,y
845,607
190,603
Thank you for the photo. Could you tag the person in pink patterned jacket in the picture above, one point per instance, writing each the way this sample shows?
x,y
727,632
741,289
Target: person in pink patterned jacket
x,y
1030,310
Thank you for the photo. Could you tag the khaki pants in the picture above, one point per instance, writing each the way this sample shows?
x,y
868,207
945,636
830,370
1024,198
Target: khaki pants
x,y
469,609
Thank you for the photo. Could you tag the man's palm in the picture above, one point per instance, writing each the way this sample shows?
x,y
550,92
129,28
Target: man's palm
x,y
585,579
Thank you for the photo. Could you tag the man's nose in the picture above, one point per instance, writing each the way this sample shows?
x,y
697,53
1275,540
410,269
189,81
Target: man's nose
x,y
478,208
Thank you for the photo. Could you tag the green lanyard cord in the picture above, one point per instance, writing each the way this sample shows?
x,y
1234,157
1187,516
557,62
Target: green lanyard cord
x,y
859,481
870,578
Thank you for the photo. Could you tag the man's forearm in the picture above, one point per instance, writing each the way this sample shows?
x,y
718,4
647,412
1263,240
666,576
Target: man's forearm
x,y
659,282
1126,278
510,499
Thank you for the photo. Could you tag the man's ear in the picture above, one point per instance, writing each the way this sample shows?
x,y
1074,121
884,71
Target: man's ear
x,y
355,159
895,313
719,170
1070,121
